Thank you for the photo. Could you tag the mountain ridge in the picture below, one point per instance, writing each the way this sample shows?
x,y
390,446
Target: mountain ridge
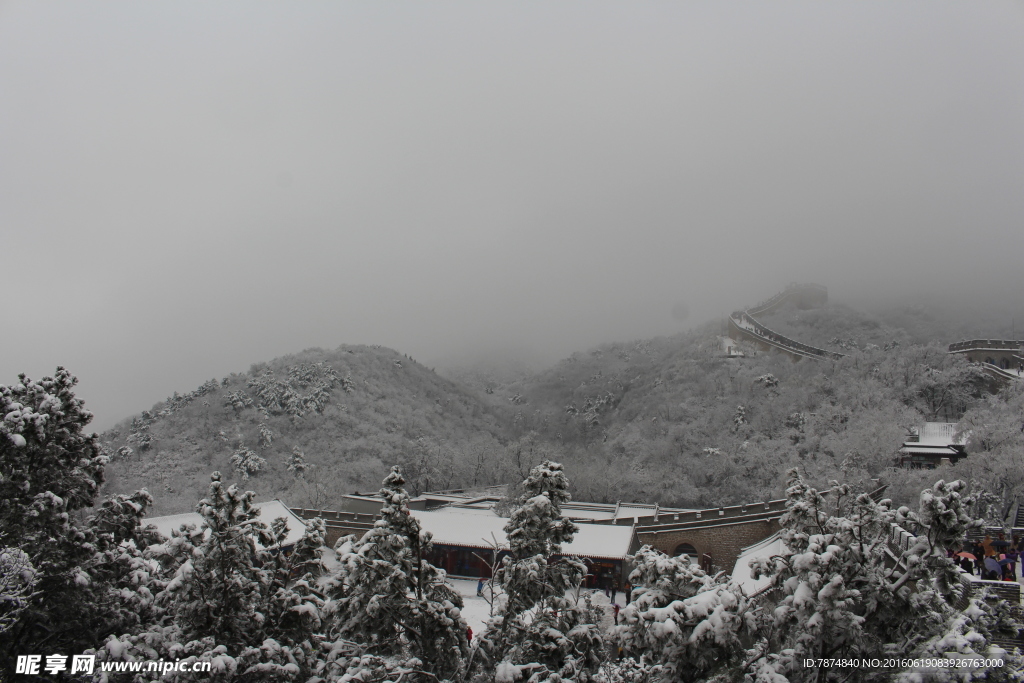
x,y
668,419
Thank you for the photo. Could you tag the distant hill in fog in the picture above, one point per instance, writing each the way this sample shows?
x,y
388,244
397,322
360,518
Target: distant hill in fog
x,y
383,408
667,419
672,420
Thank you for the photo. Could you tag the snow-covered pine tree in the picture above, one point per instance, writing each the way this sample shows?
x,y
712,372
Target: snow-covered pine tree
x,y
682,623
17,585
266,436
228,595
941,523
847,591
739,418
968,635
539,632
121,541
50,468
297,463
388,597
218,594
247,462
237,400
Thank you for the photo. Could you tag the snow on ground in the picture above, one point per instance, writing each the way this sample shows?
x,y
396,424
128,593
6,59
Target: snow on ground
x,y
477,610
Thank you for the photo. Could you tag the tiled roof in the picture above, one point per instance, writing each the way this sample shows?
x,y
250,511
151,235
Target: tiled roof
x,y
741,570
476,530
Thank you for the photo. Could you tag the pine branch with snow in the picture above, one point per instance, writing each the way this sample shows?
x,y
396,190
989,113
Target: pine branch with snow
x,y
853,584
540,632
247,462
684,623
388,597
18,580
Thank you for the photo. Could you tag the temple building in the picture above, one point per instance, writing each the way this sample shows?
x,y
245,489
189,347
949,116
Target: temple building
x,y
931,445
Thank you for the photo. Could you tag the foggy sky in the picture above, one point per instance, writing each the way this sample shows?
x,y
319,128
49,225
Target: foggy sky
x,y
188,188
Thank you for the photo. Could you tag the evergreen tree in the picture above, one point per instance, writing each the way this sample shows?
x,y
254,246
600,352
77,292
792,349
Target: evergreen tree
x,y
684,623
853,584
389,598
266,436
49,470
229,595
540,632
219,592
17,585
247,462
297,463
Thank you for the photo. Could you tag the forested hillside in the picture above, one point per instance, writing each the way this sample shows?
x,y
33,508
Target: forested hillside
x,y
672,420
307,427
669,419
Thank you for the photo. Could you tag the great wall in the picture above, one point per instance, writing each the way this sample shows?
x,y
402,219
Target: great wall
x,y
743,326
1000,359
719,537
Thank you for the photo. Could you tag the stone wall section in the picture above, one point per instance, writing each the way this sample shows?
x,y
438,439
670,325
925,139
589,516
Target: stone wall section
x,y
722,541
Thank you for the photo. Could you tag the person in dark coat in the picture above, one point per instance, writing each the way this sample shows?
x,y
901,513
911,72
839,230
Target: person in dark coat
x,y
979,555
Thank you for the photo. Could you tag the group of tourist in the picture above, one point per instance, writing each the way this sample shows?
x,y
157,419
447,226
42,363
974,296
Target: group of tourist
x,y
993,559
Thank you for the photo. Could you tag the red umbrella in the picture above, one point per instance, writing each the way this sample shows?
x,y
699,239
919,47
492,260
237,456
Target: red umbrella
x,y
967,555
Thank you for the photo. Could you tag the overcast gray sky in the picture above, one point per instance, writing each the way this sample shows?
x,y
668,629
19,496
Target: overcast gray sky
x,y
189,187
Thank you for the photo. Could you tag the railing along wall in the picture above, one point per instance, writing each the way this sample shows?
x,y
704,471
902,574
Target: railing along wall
x,y
745,323
770,508
768,336
986,345
336,515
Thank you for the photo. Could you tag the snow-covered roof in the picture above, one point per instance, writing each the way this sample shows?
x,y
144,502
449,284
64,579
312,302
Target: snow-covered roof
x,y
268,512
937,434
466,510
368,498
607,511
741,570
453,497
586,513
575,509
918,449
470,528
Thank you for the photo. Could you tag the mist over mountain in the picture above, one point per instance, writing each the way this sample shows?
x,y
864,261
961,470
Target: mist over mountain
x,y
669,419
302,250
352,413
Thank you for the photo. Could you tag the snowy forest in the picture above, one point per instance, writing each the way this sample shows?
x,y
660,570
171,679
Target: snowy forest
x,y
665,419
512,342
